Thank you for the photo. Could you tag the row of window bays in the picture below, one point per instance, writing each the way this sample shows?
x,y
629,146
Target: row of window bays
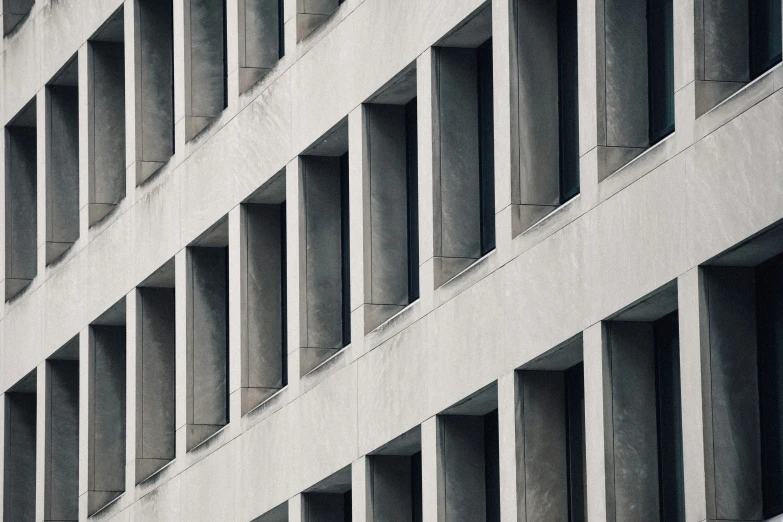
x,y
734,315
546,110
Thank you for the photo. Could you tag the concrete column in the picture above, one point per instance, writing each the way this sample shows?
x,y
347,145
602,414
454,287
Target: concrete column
x,y
181,351
106,116
543,444
296,509
732,448
106,424
457,209
722,55
40,440
321,268
426,101
512,500
20,448
310,15
694,332
207,343
261,242
21,200
155,380
85,446
259,39
360,225
62,168
150,53
598,425
362,490
295,285
204,64
61,468
433,485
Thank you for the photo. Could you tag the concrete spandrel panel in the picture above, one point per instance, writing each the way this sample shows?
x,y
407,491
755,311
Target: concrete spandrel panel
x,y
20,457
155,426
207,342
106,433
61,500
21,198
62,176
155,73
107,119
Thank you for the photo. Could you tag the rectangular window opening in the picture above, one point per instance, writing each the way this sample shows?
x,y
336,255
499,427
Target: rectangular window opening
x,y
568,98
20,455
660,46
764,30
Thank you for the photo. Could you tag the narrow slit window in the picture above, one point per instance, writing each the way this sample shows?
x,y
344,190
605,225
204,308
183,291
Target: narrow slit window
x,y
765,35
486,146
660,37
19,460
568,98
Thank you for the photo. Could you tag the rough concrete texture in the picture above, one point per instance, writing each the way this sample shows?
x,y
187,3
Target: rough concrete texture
x,y
705,190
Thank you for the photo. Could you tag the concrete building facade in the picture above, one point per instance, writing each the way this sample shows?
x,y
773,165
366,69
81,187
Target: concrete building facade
x,y
375,260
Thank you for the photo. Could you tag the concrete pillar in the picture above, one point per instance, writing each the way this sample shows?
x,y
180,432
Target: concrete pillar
x,y
426,102
20,448
321,267
207,343
598,425
61,466
106,127
311,14
21,200
296,508
512,498
262,294
361,490
295,285
106,425
433,492
260,39
155,380
205,86
732,451
457,208
150,54
40,441
62,168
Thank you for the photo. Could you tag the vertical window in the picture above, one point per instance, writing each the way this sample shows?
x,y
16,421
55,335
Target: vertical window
x,y
765,35
568,98
660,55
575,442
412,178
345,249
492,466
486,146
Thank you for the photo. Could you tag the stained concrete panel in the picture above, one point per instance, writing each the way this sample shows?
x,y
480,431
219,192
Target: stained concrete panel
x,y
107,128
61,484
537,98
259,39
155,85
731,413
323,259
264,356
207,342
156,402
106,431
544,448
19,458
457,209
634,422
21,198
205,51
388,205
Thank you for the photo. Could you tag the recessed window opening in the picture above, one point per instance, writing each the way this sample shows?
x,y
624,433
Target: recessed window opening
x,y
62,166
764,30
264,350
21,200
207,335
568,98
309,15
261,39
395,479
106,117
329,500
14,13
20,458
660,46
61,484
